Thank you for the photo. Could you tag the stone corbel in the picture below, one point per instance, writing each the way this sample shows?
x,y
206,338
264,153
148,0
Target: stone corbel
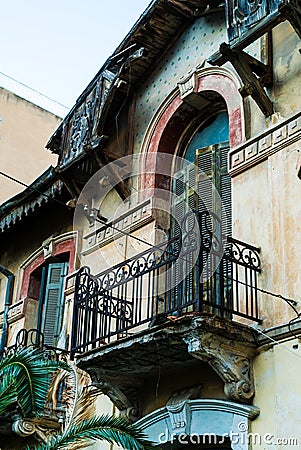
x,y
188,84
179,411
48,247
120,399
233,365
188,87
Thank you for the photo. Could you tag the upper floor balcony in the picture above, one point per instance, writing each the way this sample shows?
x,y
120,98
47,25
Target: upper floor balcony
x,y
199,272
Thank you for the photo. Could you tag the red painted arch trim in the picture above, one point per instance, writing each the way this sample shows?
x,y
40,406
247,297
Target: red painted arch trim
x,y
221,83
67,246
226,87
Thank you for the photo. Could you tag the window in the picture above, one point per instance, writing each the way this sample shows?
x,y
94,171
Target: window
x,y
47,286
204,186
208,150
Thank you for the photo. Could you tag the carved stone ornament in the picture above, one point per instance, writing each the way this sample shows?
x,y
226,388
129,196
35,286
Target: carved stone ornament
x,y
188,83
233,365
48,247
23,428
125,406
179,411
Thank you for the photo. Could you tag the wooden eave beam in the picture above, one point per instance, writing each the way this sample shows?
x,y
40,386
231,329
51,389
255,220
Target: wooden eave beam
x,y
256,32
112,173
291,10
254,75
70,184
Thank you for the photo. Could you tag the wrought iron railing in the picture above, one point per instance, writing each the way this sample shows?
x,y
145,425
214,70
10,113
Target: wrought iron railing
x,y
199,272
35,339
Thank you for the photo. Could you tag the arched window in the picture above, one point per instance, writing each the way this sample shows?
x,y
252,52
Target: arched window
x,y
204,186
206,182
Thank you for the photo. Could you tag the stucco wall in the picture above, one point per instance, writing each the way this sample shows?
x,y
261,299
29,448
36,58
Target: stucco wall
x,y
286,92
266,213
278,395
24,130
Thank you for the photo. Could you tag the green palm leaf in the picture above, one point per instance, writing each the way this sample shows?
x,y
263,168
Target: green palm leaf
x,y
27,373
8,394
114,430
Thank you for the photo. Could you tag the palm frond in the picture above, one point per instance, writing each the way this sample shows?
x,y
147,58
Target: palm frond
x,y
114,430
85,404
30,373
8,394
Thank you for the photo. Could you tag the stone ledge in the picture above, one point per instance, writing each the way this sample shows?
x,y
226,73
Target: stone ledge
x,y
262,146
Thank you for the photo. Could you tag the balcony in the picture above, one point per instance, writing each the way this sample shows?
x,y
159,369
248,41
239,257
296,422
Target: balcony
x,y
198,273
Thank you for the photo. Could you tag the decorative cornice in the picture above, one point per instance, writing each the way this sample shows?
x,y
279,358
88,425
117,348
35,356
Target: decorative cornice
x,y
248,411
262,146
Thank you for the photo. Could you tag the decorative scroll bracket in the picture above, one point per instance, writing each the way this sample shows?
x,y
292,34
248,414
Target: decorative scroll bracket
x,y
232,363
120,399
23,428
254,74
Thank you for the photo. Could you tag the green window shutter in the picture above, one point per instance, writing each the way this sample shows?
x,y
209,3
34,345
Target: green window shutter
x,y
205,186
54,302
224,189
182,202
212,168
212,161
204,161
204,179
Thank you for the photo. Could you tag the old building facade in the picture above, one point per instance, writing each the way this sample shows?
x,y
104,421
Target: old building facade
x,y
181,160
27,120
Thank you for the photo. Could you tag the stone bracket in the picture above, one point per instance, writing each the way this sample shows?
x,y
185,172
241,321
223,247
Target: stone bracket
x,y
254,74
232,364
120,399
178,409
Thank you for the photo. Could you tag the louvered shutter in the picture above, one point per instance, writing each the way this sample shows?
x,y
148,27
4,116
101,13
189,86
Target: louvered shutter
x,y
54,302
226,197
212,169
224,189
214,194
204,161
183,203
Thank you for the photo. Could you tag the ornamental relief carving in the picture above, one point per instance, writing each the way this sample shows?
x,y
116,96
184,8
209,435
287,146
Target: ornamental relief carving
x,y
233,365
82,127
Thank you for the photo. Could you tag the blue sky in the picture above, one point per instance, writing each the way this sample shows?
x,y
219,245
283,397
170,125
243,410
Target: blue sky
x,y
57,46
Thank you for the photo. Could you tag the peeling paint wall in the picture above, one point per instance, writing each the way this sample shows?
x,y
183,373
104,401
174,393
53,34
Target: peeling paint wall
x,y
286,92
278,395
266,213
